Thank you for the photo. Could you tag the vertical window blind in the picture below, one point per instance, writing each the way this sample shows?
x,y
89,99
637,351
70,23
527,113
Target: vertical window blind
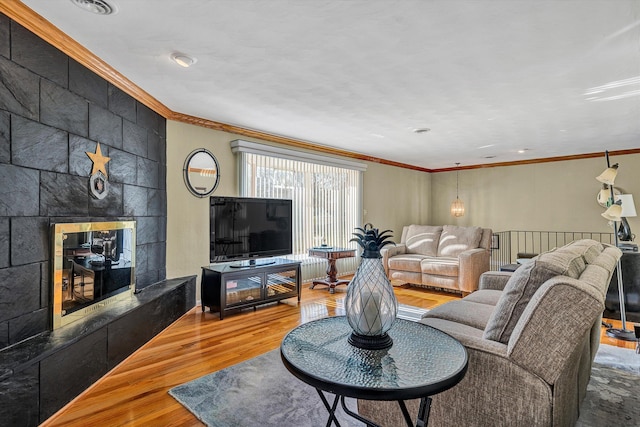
x,y
326,203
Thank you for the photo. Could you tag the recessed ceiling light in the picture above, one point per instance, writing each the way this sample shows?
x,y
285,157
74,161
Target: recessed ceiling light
x,y
99,7
486,146
183,60
489,157
421,130
523,150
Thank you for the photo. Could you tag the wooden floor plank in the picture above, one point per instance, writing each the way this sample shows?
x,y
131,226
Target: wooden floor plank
x,y
136,391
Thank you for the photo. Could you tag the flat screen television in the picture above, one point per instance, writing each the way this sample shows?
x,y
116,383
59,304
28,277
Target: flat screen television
x,y
246,228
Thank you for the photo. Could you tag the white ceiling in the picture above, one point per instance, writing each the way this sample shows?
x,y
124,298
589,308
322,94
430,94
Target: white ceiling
x,y
488,77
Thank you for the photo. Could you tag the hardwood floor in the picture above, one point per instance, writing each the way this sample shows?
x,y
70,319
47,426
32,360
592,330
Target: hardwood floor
x,y
135,392
604,339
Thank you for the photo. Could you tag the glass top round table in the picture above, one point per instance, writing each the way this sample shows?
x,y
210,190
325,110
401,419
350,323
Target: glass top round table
x,y
422,361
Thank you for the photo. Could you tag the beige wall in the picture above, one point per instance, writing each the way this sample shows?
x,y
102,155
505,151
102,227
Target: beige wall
x,y
188,215
393,196
555,196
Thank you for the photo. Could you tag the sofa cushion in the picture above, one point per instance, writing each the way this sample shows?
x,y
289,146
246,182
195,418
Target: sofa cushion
x,y
606,259
405,276
485,296
468,313
406,262
524,282
440,266
423,239
454,240
565,260
455,329
588,248
596,276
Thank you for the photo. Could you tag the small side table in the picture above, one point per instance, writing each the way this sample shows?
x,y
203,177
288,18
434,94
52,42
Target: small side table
x,y
331,254
423,361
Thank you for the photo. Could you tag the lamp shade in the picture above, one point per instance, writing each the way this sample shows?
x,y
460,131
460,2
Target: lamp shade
x,y
457,208
628,207
613,213
609,175
604,196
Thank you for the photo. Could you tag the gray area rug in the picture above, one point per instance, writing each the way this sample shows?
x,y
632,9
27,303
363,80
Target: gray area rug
x,y
619,358
613,393
261,391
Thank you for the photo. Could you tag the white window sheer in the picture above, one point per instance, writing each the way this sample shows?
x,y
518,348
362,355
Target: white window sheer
x,y
326,201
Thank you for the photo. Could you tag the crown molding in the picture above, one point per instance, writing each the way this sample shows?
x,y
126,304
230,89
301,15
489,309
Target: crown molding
x,y
542,160
290,142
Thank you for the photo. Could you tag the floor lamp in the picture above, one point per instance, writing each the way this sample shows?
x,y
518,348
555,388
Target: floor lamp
x,y
614,214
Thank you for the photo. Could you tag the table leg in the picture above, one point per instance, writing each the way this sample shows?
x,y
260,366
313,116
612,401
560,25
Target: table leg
x,y
331,408
422,421
423,412
331,281
358,417
332,270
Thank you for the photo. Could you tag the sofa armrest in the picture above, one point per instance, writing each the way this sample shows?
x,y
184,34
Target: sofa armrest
x,y
389,251
558,318
495,280
473,263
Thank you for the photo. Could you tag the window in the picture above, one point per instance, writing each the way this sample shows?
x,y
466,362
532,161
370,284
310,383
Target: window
x,y
326,194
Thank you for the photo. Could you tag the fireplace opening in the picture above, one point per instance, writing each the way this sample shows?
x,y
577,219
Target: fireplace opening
x,y
94,266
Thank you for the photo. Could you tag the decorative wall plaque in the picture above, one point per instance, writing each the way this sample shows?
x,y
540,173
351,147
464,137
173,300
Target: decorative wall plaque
x,y
98,182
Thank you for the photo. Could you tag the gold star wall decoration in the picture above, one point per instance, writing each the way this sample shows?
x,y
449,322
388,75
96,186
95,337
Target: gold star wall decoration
x,y
99,161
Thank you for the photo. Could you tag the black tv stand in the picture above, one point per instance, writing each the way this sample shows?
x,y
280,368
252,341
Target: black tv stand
x,y
226,287
252,263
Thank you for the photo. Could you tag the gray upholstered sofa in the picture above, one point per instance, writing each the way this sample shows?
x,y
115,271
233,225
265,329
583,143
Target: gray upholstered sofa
x,y
531,337
448,256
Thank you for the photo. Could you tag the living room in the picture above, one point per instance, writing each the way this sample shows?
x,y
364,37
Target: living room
x,y
543,192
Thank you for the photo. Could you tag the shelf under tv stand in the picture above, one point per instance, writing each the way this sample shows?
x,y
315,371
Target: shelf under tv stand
x,y
225,287
252,263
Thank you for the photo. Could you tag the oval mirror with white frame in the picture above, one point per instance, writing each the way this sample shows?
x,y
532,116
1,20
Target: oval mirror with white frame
x,y
201,172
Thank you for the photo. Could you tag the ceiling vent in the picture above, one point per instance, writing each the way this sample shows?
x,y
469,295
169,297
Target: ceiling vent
x,y
99,7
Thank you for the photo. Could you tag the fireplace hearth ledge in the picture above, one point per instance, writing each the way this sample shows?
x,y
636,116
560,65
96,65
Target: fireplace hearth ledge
x,y
112,334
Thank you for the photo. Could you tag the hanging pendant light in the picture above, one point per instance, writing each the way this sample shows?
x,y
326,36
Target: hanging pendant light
x,y
457,207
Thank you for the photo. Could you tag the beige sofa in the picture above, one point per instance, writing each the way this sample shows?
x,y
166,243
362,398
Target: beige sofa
x,y
531,337
448,257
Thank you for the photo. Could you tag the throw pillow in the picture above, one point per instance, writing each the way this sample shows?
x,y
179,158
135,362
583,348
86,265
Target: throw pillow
x,y
455,240
517,293
423,239
524,283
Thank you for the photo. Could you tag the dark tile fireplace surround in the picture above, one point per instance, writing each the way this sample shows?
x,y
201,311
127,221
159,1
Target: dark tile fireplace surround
x,y
52,111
